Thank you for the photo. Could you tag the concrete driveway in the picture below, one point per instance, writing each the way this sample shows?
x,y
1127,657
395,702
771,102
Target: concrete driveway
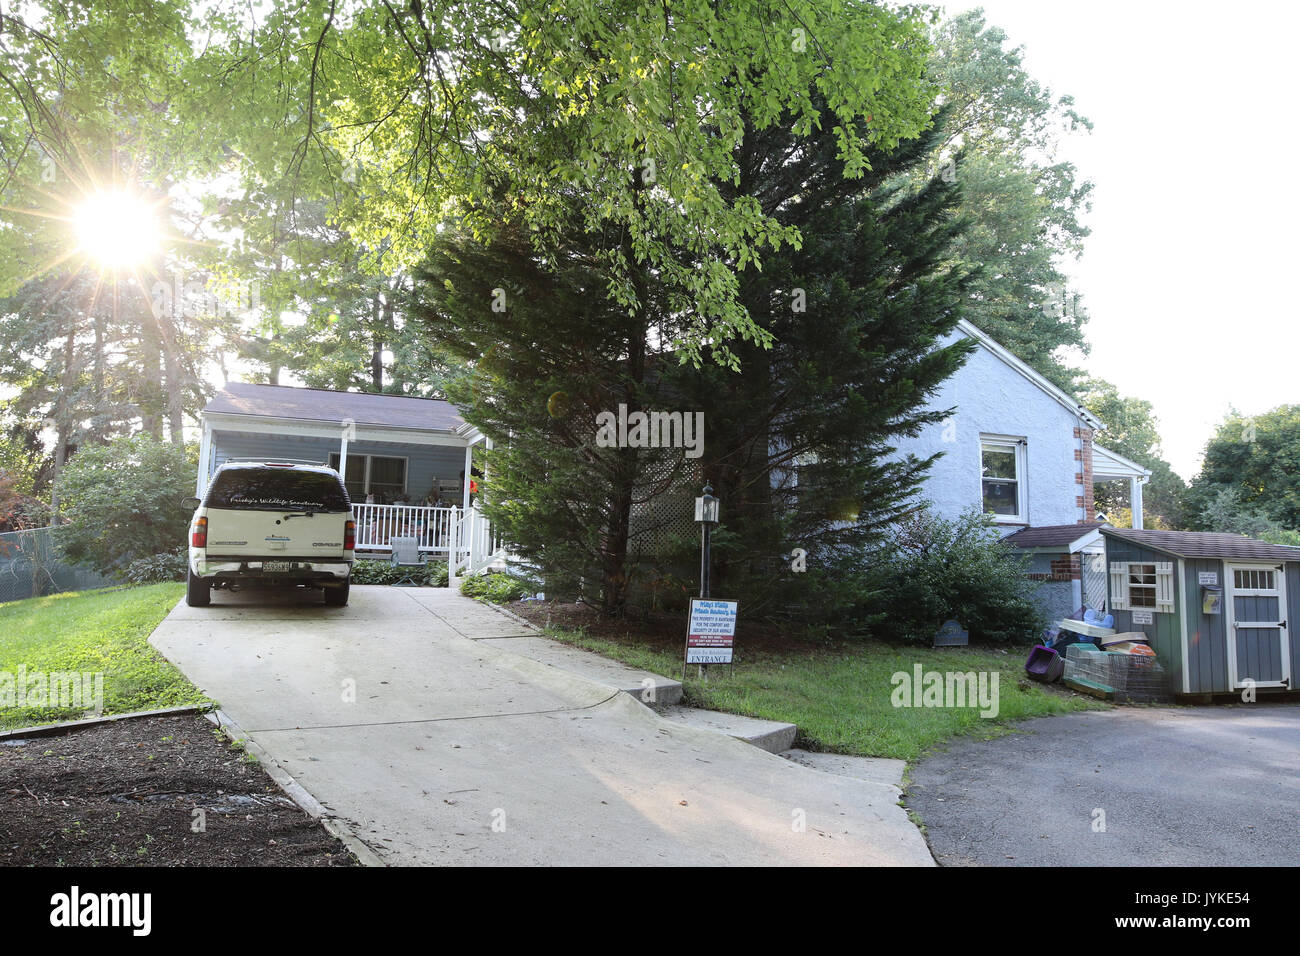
x,y
1203,786
437,747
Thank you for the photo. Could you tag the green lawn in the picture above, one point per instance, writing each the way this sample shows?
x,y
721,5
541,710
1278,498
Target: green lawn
x,y
93,631
842,699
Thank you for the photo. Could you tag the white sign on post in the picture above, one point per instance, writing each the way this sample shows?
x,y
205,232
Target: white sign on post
x,y
712,631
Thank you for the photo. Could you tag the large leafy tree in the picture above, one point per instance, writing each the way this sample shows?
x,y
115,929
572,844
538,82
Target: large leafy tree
x,y
401,115
1258,458
1001,142
1133,430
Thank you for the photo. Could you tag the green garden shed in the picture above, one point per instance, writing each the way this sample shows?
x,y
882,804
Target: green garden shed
x,y
1216,607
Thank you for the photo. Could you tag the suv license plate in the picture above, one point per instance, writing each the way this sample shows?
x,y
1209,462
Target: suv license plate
x,y
277,565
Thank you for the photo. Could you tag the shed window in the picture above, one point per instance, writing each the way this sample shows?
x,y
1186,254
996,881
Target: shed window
x,y
1002,477
1143,585
1253,579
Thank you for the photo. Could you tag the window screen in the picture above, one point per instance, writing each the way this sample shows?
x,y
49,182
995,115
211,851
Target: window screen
x,y
1001,479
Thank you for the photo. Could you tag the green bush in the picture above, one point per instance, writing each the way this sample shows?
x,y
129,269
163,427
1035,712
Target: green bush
x,y
434,573
158,568
123,502
498,588
933,570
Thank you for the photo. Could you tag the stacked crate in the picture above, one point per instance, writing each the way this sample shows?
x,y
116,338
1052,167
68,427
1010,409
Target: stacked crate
x,y
1115,675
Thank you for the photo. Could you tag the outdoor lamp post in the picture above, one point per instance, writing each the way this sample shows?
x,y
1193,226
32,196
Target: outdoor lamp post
x,y
706,513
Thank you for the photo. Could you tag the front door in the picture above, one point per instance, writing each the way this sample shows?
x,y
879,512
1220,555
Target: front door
x,y
1258,647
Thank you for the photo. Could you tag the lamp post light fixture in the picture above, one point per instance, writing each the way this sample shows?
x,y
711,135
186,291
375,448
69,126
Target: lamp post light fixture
x,y
706,513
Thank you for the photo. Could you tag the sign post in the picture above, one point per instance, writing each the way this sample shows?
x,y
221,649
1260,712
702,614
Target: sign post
x,y
711,634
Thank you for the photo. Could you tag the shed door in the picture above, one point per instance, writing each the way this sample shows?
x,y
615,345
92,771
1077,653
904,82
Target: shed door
x,y
1257,643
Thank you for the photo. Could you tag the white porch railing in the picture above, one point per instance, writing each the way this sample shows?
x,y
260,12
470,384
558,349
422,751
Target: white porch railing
x,y
377,525
475,544
466,538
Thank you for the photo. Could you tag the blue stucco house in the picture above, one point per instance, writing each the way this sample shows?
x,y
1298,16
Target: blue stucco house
x,y
1024,451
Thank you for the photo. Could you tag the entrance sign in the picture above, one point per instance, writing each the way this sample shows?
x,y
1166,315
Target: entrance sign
x,y
712,631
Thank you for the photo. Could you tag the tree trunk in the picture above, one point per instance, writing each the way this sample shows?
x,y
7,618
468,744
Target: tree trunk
x,y
619,526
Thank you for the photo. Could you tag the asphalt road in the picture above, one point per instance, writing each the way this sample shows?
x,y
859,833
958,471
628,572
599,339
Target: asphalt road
x,y
1194,786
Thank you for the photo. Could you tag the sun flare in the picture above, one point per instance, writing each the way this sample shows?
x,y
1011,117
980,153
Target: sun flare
x,y
118,230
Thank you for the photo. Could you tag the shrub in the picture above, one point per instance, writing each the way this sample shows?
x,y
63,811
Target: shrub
x,y
123,502
433,573
158,568
933,570
497,588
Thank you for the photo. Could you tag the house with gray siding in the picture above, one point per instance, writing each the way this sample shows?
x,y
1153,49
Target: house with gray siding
x,y
408,463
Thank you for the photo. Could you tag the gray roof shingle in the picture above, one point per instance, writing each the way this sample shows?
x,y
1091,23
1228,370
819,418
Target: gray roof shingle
x,y
1050,535
1204,544
322,405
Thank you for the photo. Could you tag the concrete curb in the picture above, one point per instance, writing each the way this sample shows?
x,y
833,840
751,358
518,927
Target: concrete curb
x,y
70,726
668,692
296,792
516,618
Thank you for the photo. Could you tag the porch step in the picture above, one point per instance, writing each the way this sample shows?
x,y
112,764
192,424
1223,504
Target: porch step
x,y
651,689
770,735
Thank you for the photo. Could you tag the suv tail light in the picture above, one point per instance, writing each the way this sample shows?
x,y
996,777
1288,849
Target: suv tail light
x,y
350,536
199,536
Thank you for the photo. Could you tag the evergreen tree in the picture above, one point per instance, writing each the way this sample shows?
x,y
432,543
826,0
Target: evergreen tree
x,y
798,443
545,351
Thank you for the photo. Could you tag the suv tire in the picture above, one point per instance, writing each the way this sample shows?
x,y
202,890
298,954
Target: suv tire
x,y
338,596
198,592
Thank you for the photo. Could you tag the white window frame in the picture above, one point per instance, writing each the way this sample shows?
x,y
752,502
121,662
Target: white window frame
x,y
1019,445
335,459
1121,596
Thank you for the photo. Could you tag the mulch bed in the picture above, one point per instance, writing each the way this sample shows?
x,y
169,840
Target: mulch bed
x,y
125,794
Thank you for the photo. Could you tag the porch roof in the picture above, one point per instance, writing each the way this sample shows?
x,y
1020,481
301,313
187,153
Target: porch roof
x,y
323,405
1055,537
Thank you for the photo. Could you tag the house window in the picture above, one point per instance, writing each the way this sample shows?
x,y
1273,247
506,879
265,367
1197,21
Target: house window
x,y
1002,476
378,475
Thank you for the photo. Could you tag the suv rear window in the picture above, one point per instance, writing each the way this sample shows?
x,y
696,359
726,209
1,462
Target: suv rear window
x,y
277,489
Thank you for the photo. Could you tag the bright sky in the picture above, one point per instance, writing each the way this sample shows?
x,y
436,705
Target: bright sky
x,y
1188,274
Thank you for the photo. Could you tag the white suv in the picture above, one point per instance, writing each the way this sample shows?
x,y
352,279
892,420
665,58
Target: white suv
x,y
272,524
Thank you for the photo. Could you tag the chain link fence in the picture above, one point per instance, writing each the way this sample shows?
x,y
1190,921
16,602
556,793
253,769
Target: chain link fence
x,y
30,566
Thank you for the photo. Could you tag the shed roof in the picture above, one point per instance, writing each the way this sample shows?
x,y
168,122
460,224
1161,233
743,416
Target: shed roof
x,y
1051,535
323,405
1201,544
